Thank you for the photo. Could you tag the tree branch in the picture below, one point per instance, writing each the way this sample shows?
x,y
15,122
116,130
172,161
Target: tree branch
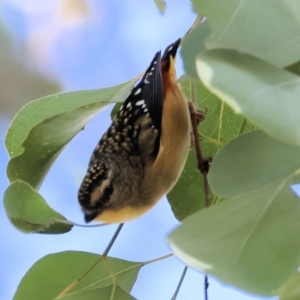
x,y
203,164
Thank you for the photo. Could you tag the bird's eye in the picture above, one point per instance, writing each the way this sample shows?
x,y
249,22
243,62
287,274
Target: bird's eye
x,y
107,192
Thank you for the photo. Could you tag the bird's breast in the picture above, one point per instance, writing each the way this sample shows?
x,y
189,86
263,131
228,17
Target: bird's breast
x,y
174,142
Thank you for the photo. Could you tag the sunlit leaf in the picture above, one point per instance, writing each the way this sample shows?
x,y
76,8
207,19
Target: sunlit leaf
x,y
161,5
265,29
192,45
266,95
251,162
220,126
115,110
251,241
43,127
244,247
290,290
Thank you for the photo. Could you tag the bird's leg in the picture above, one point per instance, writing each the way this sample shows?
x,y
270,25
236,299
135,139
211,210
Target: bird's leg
x,y
198,116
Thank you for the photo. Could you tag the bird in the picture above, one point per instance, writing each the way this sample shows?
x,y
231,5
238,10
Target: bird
x,y
142,154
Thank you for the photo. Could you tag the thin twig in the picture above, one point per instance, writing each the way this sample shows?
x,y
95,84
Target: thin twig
x,y
108,267
66,222
113,239
158,259
179,283
206,284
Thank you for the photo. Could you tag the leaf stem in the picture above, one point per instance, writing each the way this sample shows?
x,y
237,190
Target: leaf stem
x,y
101,258
112,277
76,281
180,283
158,259
75,224
113,239
206,284
108,267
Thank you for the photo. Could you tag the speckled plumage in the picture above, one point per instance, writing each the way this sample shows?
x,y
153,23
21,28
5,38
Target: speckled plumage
x,y
121,182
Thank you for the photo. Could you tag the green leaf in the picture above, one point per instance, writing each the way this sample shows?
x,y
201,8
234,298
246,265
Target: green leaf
x,y
43,127
250,162
265,29
115,110
266,95
251,241
187,196
221,123
290,290
106,293
294,68
220,126
161,5
192,45
52,274
29,212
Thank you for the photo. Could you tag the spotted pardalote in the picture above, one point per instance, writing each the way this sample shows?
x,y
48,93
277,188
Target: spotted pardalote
x,y
142,154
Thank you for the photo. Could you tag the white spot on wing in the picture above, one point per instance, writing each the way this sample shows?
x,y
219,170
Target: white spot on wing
x,y
170,48
140,102
128,105
137,91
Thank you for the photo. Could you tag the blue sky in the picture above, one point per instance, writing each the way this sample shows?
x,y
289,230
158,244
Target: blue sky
x,y
103,43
